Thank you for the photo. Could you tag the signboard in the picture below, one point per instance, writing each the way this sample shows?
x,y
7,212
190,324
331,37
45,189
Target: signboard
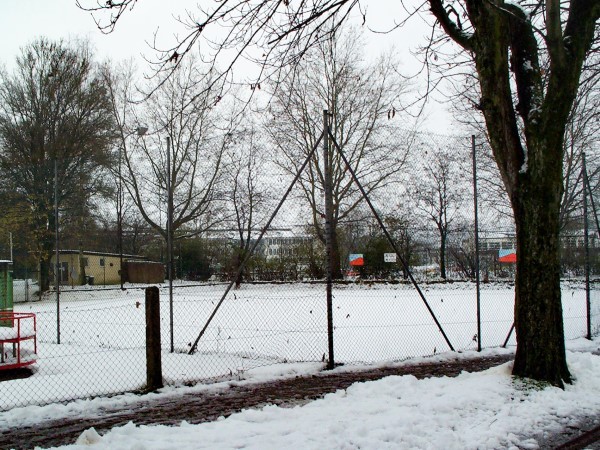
x,y
357,259
507,256
389,257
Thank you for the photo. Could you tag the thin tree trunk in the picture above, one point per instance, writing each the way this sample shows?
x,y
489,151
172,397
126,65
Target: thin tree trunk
x,y
443,255
240,254
336,269
44,277
82,274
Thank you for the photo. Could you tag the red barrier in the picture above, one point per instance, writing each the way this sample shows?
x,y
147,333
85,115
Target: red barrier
x,y
16,328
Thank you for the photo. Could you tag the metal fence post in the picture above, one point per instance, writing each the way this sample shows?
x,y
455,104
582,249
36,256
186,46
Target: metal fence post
x,y
56,238
170,242
477,278
328,238
153,351
586,241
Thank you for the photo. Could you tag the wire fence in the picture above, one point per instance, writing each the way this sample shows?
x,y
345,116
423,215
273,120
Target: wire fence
x,y
91,332
103,341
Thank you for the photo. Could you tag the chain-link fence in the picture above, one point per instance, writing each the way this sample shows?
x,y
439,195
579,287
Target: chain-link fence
x,y
220,318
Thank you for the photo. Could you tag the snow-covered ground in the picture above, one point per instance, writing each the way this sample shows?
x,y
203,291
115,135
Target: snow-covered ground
x,y
485,410
102,349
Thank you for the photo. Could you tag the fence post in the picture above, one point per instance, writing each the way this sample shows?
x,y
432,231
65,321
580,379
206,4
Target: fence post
x,y
57,252
153,350
328,229
477,278
586,241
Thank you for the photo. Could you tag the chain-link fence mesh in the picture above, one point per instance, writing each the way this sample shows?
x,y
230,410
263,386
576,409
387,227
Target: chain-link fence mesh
x,y
91,335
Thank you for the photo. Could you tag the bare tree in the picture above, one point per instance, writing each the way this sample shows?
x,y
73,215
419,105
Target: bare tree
x,y
360,99
582,135
438,191
271,34
54,112
247,192
183,124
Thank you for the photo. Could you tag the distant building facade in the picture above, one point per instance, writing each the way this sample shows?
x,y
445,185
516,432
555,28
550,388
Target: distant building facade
x,y
100,268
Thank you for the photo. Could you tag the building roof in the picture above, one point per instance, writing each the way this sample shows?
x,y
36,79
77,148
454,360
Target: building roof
x,y
86,252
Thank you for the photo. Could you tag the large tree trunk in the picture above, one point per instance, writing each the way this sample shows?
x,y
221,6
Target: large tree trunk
x,y
532,174
336,264
240,255
538,309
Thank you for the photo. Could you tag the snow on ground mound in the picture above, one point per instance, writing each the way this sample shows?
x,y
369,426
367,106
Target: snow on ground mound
x,y
484,410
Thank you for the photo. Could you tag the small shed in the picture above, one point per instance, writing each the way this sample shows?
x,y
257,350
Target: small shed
x,y
100,267
145,272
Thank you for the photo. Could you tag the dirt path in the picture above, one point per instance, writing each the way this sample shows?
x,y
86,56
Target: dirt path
x,y
204,407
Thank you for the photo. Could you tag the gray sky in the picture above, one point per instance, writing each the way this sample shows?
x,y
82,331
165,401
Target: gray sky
x,y
22,21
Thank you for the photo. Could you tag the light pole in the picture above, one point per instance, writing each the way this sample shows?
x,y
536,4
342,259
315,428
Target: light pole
x,y
140,131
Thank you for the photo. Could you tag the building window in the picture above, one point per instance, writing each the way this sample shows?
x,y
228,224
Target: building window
x,y
86,262
101,262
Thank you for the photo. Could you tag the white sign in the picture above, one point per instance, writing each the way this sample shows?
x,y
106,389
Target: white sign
x,y
389,257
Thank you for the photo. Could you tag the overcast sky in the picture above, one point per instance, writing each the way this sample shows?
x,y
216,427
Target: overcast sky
x,y
22,21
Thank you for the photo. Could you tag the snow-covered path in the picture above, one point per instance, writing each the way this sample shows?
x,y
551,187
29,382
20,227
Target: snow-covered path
x,y
487,410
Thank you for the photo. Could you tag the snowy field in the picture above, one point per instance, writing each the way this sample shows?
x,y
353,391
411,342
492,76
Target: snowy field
x,y
102,332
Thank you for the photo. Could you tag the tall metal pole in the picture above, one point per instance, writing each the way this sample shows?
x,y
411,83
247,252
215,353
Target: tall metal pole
x,y
170,241
477,279
120,218
586,241
57,267
328,230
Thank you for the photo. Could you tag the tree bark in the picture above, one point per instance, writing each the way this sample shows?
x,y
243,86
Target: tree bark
x,y
538,310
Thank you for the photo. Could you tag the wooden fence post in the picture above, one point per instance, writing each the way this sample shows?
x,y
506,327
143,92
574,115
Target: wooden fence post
x,y
153,351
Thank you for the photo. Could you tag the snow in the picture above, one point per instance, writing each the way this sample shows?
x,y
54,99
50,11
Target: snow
x,y
526,13
24,327
484,410
102,353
